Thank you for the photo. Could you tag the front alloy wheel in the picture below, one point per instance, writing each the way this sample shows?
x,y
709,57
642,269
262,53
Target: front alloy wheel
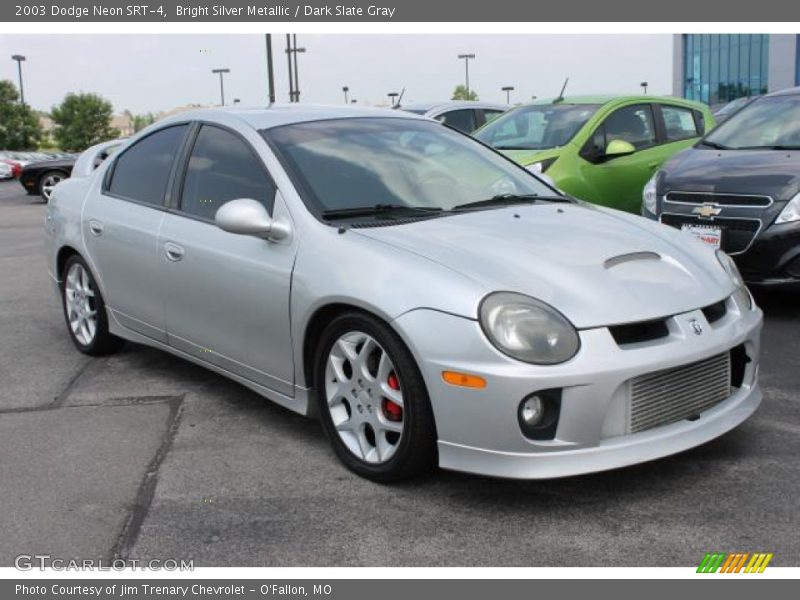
x,y
372,399
364,397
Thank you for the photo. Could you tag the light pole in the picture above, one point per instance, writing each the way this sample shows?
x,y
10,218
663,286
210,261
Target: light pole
x,y
221,85
467,58
19,58
346,89
291,52
644,86
392,96
508,89
270,71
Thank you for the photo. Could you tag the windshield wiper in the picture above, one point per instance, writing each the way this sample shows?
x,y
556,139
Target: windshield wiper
x,y
714,145
507,199
775,147
376,209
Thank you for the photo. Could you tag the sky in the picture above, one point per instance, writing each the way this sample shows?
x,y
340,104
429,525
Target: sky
x,y
149,73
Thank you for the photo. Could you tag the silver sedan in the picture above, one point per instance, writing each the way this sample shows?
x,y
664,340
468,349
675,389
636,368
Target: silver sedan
x,y
429,300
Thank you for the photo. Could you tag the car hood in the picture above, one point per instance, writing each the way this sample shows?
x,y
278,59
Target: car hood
x,y
773,173
559,253
527,157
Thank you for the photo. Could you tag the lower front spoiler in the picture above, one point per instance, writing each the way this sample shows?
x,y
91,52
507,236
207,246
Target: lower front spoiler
x,y
608,454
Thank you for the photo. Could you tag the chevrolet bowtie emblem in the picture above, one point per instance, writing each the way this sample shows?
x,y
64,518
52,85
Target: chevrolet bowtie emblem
x,y
707,210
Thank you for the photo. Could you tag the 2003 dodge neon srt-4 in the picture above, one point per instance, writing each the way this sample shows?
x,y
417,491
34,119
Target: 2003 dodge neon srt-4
x,y
427,297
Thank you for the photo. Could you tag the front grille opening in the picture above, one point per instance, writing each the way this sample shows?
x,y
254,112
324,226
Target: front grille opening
x,y
672,395
721,199
715,312
643,331
739,362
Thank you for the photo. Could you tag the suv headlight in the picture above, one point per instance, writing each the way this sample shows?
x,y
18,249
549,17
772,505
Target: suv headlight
x,y
790,212
649,195
741,295
527,329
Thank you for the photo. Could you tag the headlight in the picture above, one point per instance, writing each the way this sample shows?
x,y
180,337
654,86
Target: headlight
x,y
649,195
790,212
741,295
541,166
527,329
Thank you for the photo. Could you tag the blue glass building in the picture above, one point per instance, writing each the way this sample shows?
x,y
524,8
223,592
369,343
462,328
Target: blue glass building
x,y
718,68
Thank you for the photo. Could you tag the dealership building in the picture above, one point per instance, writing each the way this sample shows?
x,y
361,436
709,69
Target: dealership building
x,y
718,68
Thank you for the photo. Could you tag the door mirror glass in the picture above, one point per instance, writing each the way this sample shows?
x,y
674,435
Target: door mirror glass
x,y
617,148
246,216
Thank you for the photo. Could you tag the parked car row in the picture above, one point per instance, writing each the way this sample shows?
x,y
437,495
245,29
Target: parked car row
x,y
739,189
432,301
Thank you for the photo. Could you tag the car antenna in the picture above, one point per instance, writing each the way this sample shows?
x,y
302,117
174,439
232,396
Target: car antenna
x,y
399,98
561,94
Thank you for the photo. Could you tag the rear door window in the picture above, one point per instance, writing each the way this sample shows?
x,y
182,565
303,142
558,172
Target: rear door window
x,y
142,171
464,120
679,123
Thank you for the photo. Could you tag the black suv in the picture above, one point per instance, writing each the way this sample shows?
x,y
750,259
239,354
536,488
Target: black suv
x,y
739,188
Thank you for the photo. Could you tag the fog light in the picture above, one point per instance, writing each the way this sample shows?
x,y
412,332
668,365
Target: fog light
x,y
538,414
532,410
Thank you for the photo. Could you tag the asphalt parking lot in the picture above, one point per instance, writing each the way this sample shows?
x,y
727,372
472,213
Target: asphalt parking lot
x,y
143,455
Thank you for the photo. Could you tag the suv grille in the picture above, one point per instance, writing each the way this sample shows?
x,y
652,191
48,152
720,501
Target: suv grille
x,y
720,199
737,234
680,393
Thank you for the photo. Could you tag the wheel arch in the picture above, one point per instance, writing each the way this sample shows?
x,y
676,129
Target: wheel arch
x,y
63,255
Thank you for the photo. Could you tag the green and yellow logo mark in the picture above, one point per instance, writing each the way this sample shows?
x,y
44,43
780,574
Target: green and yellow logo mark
x,y
737,562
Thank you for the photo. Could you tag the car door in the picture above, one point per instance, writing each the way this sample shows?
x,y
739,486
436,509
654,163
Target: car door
x,y
120,229
617,181
227,296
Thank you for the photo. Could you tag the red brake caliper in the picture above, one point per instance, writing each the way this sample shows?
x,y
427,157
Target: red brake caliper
x,y
392,411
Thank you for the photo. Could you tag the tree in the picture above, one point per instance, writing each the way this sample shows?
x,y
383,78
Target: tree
x,y
19,125
460,93
82,120
142,121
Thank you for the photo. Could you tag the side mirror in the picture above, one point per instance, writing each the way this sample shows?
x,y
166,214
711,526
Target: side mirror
x,y
617,148
246,216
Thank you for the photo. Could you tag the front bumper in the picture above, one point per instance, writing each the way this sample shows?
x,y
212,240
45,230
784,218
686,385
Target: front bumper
x,y
770,258
478,428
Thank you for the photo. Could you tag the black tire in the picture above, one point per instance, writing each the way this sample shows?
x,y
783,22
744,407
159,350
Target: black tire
x,y
43,179
416,451
103,342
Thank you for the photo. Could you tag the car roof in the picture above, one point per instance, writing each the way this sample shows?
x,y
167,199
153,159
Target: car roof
x,y
787,92
287,114
607,98
431,106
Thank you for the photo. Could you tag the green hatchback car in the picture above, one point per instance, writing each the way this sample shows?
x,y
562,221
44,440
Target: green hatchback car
x,y
602,149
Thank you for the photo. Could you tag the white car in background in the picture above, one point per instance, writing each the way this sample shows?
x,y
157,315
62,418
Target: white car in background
x,y
464,115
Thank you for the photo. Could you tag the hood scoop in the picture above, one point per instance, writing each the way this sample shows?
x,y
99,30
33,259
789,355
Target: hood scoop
x,y
614,261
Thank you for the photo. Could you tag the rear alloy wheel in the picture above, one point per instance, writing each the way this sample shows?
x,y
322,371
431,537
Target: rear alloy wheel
x,y
85,311
48,181
373,401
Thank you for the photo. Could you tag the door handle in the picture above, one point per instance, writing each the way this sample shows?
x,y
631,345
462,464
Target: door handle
x,y
95,228
173,251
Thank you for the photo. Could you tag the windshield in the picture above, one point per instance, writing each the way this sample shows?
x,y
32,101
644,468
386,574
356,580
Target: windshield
x,y
772,122
536,127
360,163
